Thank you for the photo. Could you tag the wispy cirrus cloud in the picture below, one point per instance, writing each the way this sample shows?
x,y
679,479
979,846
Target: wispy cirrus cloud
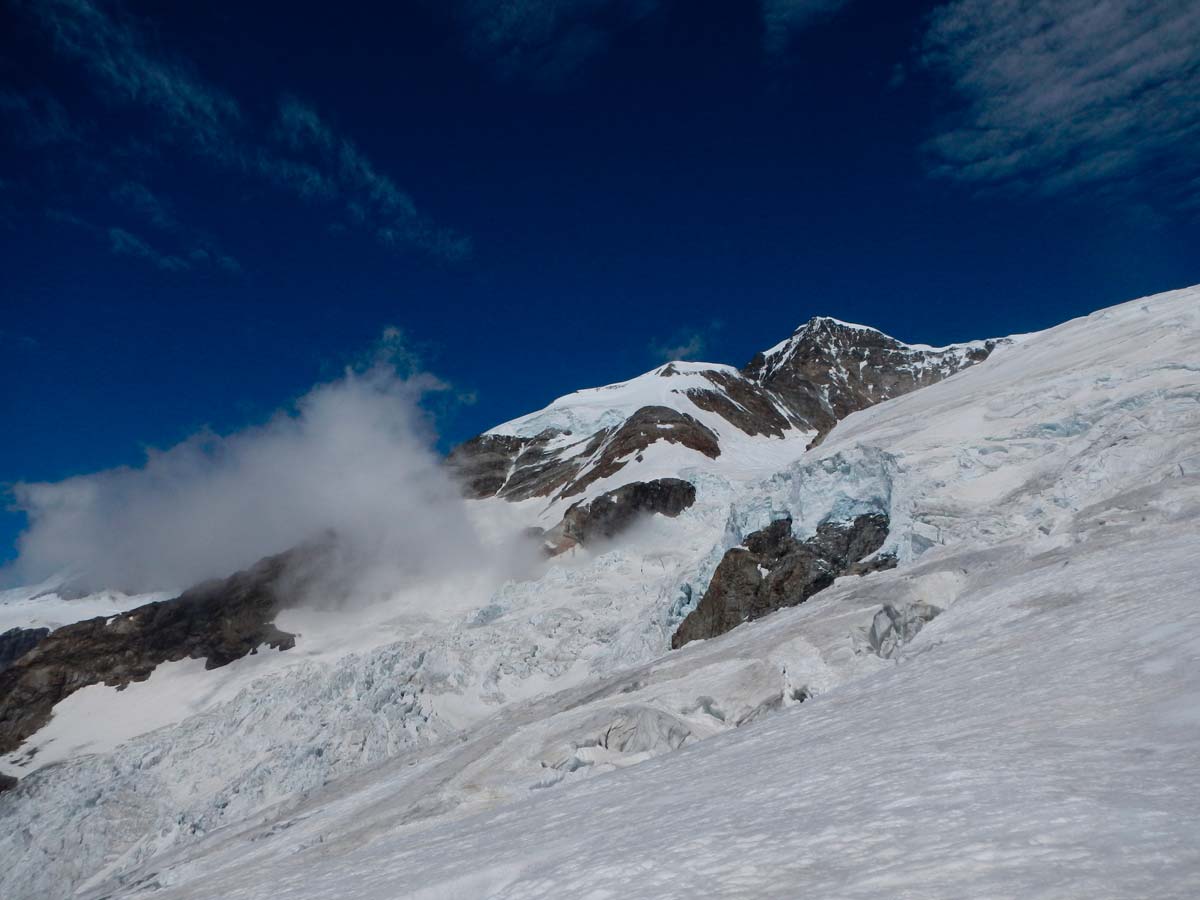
x,y
546,41
782,19
1058,96
198,247
37,119
124,243
18,341
339,170
125,69
145,202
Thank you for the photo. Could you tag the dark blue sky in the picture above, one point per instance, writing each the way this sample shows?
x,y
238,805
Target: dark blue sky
x,y
204,211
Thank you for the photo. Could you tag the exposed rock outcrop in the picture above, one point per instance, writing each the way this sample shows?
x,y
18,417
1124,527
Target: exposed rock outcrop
x,y
773,570
483,464
808,383
16,642
218,621
828,369
555,462
609,514
639,431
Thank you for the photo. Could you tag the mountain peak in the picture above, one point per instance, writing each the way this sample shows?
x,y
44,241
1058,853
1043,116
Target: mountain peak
x,y
829,323
680,411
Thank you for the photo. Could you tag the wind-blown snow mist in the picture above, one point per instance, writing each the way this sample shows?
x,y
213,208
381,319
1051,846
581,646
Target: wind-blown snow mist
x,y
352,458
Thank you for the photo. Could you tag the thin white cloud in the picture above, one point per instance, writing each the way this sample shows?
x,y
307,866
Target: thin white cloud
x,y
14,339
145,202
127,71
685,343
198,247
371,198
125,68
37,119
124,243
546,41
782,19
1066,95
682,347
121,241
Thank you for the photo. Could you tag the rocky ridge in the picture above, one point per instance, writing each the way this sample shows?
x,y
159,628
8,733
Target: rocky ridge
x,y
217,621
826,370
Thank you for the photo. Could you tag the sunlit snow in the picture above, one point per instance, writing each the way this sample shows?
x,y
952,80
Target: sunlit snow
x,y
1038,738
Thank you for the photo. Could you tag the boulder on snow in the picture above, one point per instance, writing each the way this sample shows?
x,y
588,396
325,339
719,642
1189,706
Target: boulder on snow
x,y
773,570
894,626
612,513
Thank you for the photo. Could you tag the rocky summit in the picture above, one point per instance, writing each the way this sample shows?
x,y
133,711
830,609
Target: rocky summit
x,y
826,370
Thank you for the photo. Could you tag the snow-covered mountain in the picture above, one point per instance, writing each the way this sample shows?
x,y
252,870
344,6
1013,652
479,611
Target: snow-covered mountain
x,y
799,388
949,652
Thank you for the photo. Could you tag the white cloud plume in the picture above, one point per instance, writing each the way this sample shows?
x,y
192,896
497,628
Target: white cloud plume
x,y
685,345
1060,95
352,458
688,343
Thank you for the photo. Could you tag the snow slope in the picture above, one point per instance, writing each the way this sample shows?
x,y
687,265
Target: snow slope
x,y
1037,738
588,411
43,606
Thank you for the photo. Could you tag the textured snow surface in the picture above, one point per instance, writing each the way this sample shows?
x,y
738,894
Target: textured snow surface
x,y
1039,737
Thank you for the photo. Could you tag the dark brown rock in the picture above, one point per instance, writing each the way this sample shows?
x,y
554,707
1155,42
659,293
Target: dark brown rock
x,y
218,621
608,515
743,403
639,431
482,464
16,642
518,468
828,369
538,472
774,570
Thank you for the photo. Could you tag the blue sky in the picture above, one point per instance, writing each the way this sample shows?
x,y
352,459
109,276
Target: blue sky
x,y
206,210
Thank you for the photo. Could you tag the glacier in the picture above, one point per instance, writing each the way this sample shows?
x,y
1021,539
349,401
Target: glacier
x,y
1037,737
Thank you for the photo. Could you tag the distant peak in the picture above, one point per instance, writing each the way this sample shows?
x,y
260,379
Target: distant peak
x,y
818,322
